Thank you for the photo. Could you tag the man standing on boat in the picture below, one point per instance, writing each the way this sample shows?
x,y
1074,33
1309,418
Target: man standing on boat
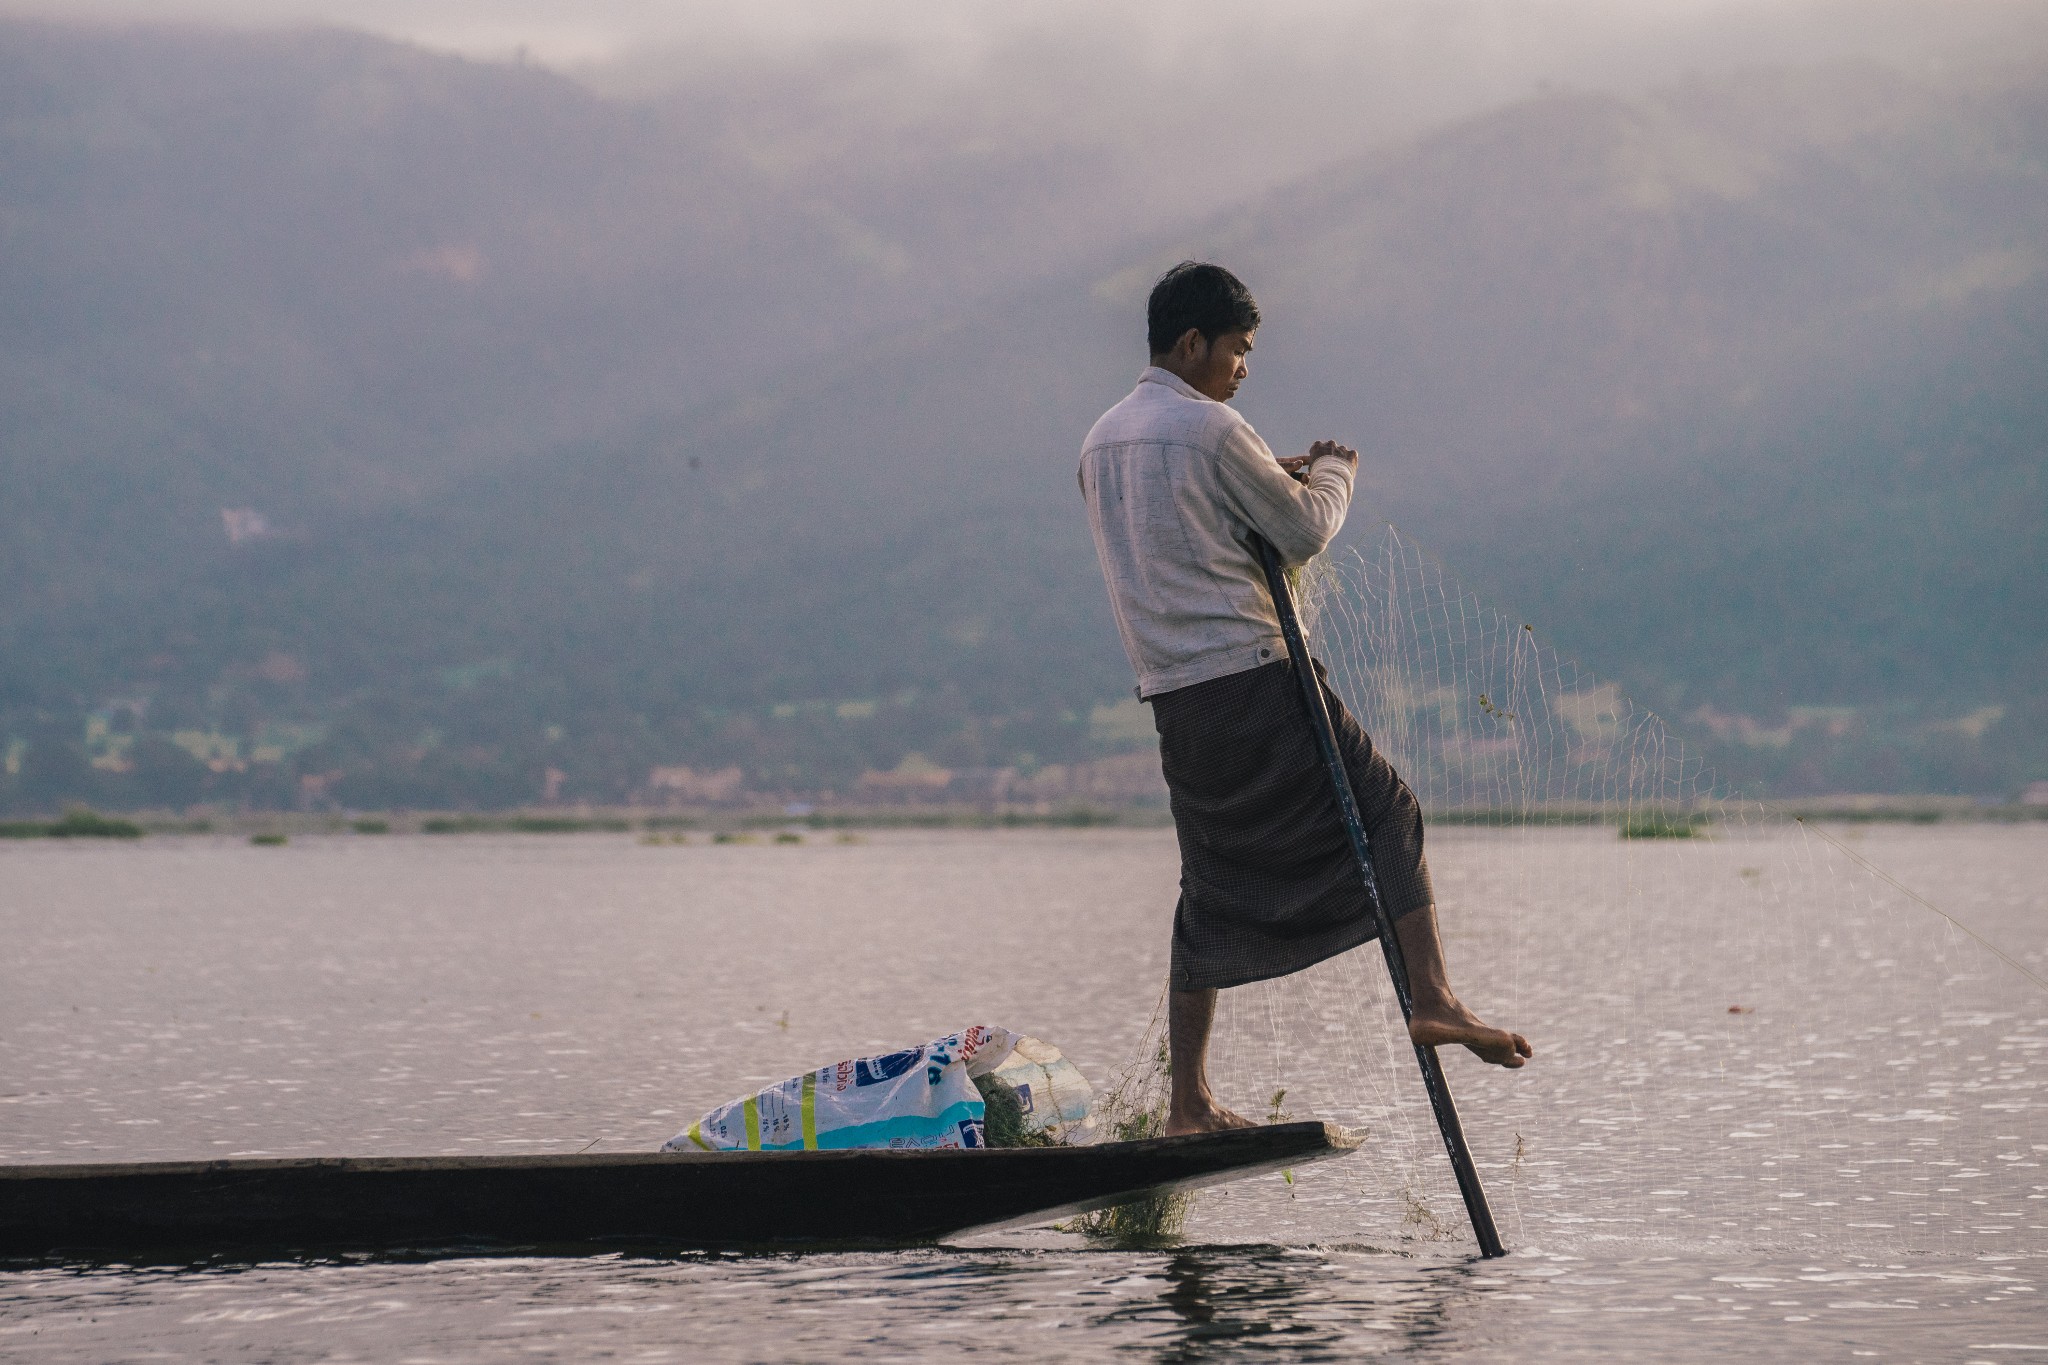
x,y
1176,483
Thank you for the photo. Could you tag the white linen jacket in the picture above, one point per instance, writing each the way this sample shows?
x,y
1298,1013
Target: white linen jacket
x,y
1175,483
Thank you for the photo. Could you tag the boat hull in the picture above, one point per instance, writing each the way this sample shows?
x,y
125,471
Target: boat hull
x,y
186,1210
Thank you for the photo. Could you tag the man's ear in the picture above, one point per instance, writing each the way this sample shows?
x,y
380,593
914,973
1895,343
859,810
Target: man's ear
x,y
1190,345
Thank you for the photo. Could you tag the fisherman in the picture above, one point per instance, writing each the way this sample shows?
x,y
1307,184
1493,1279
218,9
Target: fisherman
x,y
1176,483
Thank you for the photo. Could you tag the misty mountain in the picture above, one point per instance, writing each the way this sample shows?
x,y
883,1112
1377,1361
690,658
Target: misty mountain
x,y
426,425
1738,387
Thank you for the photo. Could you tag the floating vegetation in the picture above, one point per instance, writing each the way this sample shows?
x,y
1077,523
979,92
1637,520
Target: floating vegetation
x,y
789,837
269,840
371,826
82,823
1517,816
78,823
1422,1220
732,837
1133,816
849,839
525,824
1660,825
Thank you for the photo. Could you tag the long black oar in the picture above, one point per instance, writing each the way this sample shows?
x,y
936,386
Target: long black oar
x,y
1361,849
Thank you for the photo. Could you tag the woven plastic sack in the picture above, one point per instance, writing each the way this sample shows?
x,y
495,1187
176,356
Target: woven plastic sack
x,y
1053,1097
919,1098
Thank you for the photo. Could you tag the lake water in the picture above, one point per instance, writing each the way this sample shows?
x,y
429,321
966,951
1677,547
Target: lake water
x,y
1776,1110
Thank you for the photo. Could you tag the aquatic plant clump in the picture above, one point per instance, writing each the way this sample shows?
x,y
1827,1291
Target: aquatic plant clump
x,y
1150,1221
1003,1116
78,823
524,824
1660,825
1135,1109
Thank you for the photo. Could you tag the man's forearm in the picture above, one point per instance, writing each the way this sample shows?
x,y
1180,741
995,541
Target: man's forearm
x,y
1299,519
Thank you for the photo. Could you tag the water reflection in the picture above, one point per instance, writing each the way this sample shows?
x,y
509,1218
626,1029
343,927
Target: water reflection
x,y
1052,1298
1311,1304
1213,1299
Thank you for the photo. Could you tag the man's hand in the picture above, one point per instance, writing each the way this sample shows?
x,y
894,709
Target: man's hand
x,y
1297,465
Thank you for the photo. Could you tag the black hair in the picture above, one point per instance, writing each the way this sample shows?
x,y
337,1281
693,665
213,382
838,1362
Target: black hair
x,y
1196,294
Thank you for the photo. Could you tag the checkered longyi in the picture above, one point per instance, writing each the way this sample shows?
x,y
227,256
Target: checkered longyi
x,y
1268,882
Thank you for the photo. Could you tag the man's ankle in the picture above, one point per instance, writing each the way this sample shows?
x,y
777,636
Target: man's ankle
x,y
1433,1001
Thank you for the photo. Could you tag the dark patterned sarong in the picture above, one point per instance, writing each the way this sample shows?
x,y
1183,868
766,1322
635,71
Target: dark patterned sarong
x,y
1268,882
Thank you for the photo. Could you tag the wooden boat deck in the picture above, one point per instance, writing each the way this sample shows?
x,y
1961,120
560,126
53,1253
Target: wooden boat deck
x,y
605,1202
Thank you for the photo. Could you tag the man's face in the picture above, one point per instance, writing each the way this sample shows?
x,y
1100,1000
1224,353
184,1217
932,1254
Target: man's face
x,y
1217,367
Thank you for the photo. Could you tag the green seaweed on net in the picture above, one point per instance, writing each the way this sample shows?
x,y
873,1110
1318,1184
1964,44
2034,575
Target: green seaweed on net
x,y
1133,1111
1150,1220
1002,1123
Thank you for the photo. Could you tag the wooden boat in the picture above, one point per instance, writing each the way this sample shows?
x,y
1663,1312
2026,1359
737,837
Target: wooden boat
x,y
567,1204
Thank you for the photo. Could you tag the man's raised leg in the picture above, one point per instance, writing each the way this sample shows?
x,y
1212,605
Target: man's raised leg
x,y
1189,1015
1439,1018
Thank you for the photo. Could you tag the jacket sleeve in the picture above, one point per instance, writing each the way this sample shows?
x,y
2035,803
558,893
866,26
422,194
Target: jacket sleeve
x,y
1298,519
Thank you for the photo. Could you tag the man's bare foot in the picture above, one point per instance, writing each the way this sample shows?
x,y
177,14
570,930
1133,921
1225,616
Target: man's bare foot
x,y
1210,1118
1440,1023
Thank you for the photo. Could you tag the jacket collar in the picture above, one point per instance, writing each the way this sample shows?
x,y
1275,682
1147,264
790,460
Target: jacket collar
x,y
1154,375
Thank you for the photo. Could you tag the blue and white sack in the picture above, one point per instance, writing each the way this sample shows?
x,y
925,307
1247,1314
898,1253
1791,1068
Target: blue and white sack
x,y
922,1098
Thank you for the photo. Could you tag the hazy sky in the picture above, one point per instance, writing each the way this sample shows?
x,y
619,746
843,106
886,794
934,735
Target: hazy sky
x,y
600,29
601,32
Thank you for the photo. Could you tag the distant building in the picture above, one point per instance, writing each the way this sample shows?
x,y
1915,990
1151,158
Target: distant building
x,y
1128,777
222,753
681,785
915,775
1108,781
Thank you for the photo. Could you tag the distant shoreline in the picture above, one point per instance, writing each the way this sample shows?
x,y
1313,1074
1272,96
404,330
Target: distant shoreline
x,y
727,824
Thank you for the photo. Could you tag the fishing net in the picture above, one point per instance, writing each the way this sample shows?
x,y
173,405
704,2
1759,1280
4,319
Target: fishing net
x,y
1745,1033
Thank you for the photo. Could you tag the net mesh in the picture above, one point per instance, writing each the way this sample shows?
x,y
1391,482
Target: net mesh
x,y
1743,1035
